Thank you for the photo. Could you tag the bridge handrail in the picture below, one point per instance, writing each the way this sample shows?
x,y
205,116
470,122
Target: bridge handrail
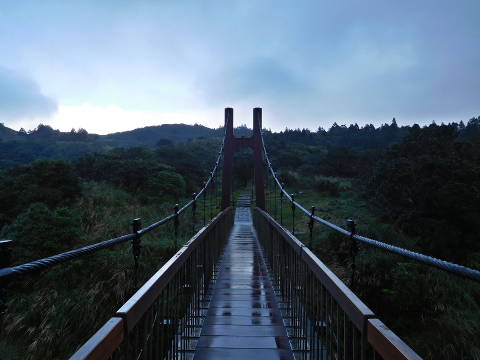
x,y
136,306
104,342
453,268
41,264
346,298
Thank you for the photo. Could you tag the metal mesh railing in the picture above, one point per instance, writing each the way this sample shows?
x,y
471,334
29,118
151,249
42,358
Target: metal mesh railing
x,y
324,319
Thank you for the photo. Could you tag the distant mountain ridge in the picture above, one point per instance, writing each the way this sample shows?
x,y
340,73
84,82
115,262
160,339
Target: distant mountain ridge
x,y
151,135
7,133
44,142
21,147
146,136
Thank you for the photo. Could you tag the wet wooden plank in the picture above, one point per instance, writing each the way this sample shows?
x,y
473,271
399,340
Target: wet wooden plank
x,y
243,319
238,342
243,330
229,303
242,354
241,312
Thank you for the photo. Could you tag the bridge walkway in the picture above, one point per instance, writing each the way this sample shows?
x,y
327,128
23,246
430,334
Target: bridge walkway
x,y
243,319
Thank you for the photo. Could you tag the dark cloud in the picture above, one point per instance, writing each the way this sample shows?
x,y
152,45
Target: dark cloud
x,y
20,97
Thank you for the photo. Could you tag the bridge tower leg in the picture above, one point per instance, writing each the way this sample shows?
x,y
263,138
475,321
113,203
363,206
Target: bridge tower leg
x,y
228,149
258,159
255,142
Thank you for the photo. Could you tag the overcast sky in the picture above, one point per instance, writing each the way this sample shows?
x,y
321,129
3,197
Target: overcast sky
x,y
116,65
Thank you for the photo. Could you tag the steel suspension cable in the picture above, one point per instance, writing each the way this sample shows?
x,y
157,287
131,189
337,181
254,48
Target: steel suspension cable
x,y
453,268
44,263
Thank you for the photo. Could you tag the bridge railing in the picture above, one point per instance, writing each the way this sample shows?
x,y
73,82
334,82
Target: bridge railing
x,y
164,317
326,320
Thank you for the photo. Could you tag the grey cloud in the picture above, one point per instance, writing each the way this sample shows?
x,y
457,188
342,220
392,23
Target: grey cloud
x,y
257,78
21,97
352,60
320,60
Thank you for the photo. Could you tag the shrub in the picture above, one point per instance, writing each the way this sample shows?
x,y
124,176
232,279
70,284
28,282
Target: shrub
x,y
40,232
166,184
52,183
288,178
328,187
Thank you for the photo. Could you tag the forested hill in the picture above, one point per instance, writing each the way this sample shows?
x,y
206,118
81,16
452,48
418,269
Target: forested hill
x,y
152,136
22,147
147,136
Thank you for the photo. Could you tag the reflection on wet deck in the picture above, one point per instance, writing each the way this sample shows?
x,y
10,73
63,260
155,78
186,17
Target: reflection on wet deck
x,y
243,319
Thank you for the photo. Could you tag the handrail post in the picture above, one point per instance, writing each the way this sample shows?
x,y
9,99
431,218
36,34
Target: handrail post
x,y
215,187
293,213
268,206
204,201
175,225
136,246
274,195
215,190
194,208
212,182
310,227
351,226
252,183
281,204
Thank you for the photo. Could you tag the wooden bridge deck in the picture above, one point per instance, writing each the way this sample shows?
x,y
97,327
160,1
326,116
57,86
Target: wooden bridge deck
x,y
243,320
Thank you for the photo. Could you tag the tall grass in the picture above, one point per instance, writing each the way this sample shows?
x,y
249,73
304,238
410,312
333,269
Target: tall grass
x,y
51,314
436,313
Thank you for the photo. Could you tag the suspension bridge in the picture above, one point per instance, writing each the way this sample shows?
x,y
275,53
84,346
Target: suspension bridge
x,y
243,286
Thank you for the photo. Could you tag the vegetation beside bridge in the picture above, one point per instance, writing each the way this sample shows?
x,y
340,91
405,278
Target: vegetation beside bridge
x,y
414,187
